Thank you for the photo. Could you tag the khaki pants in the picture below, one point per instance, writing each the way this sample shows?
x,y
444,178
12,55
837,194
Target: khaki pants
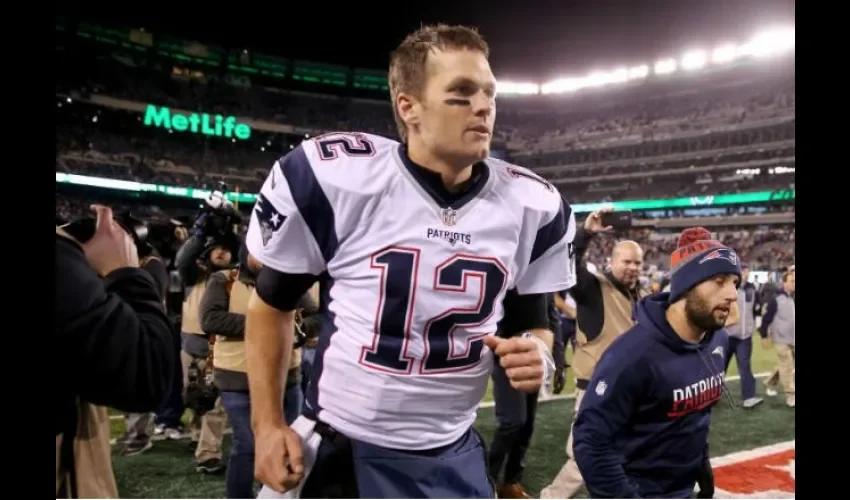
x,y
784,372
207,430
568,481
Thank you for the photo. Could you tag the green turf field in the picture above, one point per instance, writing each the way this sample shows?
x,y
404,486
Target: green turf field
x,y
167,470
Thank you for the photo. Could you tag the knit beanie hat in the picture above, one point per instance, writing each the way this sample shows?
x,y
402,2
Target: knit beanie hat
x,y
697,259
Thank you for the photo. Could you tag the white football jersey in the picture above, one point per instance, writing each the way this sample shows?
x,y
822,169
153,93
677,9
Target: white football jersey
x,y
412,286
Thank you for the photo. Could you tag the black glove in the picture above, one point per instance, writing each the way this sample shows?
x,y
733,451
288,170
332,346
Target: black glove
x,y
560,380
705,479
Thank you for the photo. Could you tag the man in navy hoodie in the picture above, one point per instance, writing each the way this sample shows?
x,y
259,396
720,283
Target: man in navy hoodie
x,y
642,429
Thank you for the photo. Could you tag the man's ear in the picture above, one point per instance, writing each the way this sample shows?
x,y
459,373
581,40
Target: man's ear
x,y
408,109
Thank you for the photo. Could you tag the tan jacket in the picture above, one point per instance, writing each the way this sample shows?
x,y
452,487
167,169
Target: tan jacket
x,y
229,351
618,319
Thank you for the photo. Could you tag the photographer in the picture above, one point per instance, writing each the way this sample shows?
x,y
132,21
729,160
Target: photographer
x,y
209,249
223,315
116,350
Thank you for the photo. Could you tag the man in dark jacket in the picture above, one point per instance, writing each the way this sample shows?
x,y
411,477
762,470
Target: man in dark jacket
x,y
116,347
642,428
139,426
515,414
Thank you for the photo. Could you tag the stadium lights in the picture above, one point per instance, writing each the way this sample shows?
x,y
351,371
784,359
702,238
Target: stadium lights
x,y
665,66
766,43
695,59
517,88
724,54
638,72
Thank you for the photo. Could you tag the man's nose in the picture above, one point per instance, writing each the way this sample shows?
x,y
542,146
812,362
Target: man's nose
x,y
730,292
482,104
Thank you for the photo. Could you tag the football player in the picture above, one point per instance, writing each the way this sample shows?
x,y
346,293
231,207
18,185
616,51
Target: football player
x,y
421,248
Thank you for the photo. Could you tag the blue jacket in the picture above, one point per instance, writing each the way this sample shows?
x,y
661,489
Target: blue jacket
x,y
642,428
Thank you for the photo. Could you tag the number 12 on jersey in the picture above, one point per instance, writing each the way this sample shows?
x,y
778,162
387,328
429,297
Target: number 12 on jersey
x,y
394,321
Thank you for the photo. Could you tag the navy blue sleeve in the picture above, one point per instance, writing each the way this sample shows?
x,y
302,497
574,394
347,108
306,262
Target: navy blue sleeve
x,y
607,407
522,313
767,319
559,343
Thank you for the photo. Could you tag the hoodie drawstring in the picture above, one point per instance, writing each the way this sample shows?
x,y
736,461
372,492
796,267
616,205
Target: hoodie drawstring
x,y
723,387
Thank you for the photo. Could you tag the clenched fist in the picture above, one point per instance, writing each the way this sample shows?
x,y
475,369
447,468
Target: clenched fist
x,y
278,458
521,359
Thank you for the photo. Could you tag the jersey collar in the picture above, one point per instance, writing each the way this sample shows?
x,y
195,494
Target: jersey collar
x,y
432,183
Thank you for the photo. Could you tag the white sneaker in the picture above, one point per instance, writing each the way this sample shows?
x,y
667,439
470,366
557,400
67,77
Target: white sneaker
x,y
752,402
771,392
790,401
158,433
175,434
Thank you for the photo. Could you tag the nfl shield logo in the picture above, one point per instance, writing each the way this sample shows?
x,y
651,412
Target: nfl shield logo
x,y
448,216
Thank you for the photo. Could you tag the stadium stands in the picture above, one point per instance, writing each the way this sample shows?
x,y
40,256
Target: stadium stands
x,y
721,131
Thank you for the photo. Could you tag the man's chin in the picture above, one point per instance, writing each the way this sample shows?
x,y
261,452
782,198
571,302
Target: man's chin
x,y
482,153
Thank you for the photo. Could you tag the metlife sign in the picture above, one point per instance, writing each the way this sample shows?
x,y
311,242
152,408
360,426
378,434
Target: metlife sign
x,y
702,201
196,123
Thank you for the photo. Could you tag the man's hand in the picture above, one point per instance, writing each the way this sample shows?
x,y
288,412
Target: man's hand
x,y
111,247
520,357
560,380
181,234
278,459
593,222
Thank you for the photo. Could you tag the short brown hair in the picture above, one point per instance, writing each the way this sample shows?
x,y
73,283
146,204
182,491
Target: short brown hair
x,y
407,61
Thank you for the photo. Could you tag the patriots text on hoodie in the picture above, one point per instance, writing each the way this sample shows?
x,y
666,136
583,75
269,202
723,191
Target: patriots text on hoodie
x,y
642,428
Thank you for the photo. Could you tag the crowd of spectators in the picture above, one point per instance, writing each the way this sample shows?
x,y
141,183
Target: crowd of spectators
x,y
761,248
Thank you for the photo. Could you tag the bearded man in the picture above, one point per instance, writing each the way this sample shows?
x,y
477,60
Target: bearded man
x,y
642,428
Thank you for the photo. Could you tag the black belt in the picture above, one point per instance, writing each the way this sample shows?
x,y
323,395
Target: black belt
x,y
331,434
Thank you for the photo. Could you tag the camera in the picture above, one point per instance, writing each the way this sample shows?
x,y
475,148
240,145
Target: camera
x,y
162,237
149,233
218,214
83,229
200,392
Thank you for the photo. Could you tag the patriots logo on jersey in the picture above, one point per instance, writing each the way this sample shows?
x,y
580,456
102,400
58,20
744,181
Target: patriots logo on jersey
x,y
269,218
